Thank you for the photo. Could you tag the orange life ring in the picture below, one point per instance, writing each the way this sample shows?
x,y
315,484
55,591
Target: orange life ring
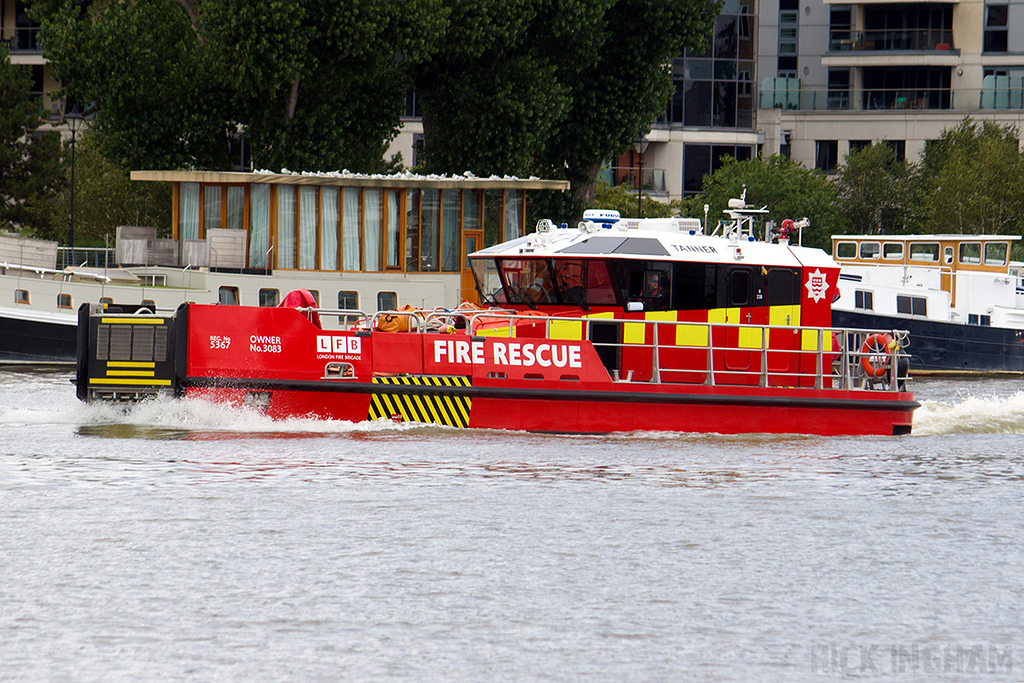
x,y
874,345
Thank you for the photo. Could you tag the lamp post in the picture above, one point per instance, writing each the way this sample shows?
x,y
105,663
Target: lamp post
x,y
640,143
74,120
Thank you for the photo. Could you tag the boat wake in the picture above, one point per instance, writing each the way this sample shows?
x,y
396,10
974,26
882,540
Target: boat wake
x,y
971,415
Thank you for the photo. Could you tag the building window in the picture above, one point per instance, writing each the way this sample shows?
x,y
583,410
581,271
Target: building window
x,y
858,145
789,17
21,296
899,149
63,301
996,27
864,300
826,155
702,160
387,301
269,297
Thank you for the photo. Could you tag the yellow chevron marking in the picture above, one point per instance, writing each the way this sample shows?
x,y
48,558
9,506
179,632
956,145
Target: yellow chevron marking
x,y
453,411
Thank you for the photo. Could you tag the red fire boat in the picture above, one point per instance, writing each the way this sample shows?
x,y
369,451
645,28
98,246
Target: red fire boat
x,y
612,325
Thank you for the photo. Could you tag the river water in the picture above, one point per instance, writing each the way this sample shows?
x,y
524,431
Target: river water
x,y
186,541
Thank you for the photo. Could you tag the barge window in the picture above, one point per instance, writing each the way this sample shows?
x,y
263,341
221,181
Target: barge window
x,y
924,251
912,305
870,250
846,250
285,227
63,301
21,296
387,301
269,297
488,282
106,300
864,300
316,296
348,301
373,212
228,296
328,228
970,252
995,253
892,251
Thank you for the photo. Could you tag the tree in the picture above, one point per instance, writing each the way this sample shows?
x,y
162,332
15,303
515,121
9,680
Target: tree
x,y
974,178
105,197
29,159
877,193
786,187
310,83
551,88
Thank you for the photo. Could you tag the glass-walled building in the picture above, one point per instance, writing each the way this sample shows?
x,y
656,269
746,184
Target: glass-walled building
x,y
350,222
366,228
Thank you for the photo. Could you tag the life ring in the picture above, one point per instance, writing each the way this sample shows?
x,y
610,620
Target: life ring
x,y
876,344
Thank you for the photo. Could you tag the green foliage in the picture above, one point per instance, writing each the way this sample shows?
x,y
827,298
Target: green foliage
x,y
551,88
312,83
974,179
877,193
105,198
29,160
786,187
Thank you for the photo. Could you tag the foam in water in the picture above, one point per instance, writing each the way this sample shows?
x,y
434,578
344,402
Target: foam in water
x,y
971,415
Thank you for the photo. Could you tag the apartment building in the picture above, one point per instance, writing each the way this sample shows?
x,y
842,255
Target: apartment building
x,y
838,75
20,35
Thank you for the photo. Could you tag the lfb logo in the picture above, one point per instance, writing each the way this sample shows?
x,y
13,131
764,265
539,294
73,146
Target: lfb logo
x,y
327,344
816,285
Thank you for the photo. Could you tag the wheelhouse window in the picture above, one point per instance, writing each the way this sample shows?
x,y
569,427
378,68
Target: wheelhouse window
x,y
970,253
269,297
529,281
870,250
488,281
739,287
924,251
846,250
892,251
995,253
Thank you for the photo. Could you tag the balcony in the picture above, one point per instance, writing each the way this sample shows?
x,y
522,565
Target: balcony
x,y
918,40
24,40
997,93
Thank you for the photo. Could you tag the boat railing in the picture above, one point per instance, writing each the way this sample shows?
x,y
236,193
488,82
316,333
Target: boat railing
x,y
730,354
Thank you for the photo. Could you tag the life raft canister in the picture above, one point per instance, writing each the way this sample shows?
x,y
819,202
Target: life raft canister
x,y
877,344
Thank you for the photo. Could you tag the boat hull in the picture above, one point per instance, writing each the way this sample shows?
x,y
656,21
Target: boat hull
x,y
28,338
459,402
280,362
944,347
